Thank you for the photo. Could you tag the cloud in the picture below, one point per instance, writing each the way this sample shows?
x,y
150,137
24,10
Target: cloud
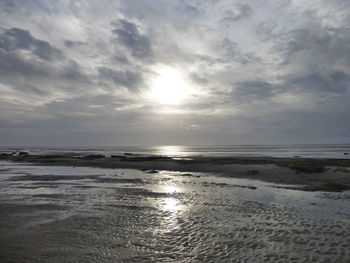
x,y
70,43
19,39
133,81
260,71
127,34
33,72
310,56
253,90
335,82
240,11
232,52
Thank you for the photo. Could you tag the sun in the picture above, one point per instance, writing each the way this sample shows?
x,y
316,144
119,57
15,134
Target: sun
x,y
169,86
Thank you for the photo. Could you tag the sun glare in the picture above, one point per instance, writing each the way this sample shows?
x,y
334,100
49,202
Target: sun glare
x,y
169,86
170,150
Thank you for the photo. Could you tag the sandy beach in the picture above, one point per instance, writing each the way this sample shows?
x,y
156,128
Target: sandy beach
x,y
158,209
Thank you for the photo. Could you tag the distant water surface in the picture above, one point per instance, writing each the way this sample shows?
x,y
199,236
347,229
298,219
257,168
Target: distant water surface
x,y
300,150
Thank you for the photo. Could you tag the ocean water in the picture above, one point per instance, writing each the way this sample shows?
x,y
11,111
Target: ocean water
x,y
300,150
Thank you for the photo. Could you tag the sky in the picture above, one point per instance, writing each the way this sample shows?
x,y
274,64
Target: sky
x,y
174,72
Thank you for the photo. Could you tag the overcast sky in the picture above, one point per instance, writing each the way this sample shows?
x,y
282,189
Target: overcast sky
x,y
84,72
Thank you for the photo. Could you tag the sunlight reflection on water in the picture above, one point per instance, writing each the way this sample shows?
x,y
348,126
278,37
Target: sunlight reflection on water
x,y
171,151
170,189
171,207
170,204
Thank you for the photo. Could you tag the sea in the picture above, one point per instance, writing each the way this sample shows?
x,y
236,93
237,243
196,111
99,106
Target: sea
x,y
291,150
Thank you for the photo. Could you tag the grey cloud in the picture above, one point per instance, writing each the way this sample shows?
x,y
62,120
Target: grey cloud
x,y
128,35
208,60
336,82
29,75
12,64
73,72
230,47
21,75
9,7
30,78
310,56
312,44
120,59
274,67
192,11
16,38
252,90
314,39
240,12
198,78
70,43
128,79
233,53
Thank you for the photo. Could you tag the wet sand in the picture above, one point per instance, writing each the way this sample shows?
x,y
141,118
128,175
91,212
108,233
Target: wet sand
x,y
310,174
82,214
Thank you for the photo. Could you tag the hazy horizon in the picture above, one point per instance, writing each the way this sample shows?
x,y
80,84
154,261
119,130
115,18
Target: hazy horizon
x,y
176,145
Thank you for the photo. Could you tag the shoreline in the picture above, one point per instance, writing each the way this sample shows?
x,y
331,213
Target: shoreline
x,y
308,174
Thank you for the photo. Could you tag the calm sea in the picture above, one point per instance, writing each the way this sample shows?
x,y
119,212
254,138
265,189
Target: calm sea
x,y
302,150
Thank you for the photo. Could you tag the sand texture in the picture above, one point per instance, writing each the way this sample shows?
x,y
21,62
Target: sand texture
x,y
82,214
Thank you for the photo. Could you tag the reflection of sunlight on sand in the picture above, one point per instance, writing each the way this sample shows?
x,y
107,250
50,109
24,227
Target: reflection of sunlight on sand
x,y
172,210
170,204
170,189
171,150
